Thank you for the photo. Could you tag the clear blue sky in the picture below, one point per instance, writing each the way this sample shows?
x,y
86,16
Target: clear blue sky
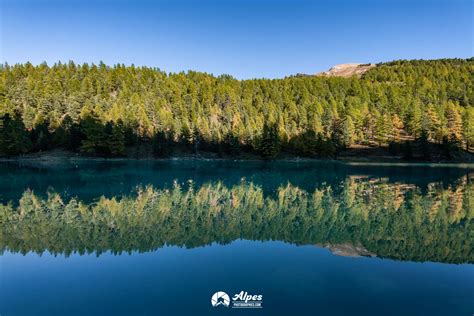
x,y
247,39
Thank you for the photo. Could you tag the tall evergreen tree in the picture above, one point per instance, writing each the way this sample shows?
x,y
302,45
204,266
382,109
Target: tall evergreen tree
x,y
348,132
468,127
95,142
14,139
454,122
269,146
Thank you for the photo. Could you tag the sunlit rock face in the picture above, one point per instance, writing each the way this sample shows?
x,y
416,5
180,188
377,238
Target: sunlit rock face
x,y
347,70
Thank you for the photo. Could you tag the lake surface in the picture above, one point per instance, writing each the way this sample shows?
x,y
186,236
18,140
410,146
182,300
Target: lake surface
x,y
85,237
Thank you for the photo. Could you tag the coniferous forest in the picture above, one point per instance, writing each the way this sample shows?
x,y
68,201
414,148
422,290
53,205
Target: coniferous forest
x,y
113,111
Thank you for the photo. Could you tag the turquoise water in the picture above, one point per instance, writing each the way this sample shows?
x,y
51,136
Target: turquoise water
x,y
161,237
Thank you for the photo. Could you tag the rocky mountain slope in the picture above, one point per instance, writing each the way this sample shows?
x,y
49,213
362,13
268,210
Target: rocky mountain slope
x,y
347,70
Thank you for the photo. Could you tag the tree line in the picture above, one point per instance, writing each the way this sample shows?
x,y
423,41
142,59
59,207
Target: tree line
x,y
105,111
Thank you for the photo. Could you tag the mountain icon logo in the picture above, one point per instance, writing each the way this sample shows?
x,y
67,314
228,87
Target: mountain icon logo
x,y
220,298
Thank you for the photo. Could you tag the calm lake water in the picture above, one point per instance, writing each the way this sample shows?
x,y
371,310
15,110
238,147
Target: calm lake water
x,y
160,238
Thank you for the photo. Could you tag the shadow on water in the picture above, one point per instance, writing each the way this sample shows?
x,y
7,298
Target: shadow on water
x,y
90,179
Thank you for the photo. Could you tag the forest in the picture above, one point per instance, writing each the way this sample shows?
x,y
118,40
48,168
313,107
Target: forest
x,y
391,220
113,111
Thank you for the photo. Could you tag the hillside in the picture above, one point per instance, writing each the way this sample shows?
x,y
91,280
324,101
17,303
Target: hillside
x,y
347,70
122,110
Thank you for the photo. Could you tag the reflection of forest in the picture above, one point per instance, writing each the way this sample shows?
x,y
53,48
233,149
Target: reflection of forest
x,y
393,220
87,179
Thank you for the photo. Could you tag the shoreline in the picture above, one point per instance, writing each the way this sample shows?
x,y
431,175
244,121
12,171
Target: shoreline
x,y
57,156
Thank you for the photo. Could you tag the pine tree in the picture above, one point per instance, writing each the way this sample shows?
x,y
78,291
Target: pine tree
x,y
308,144
95,142
369,127
414,120
328,122
41,137
468,127
348,132
115,138
14,139
454,122
383,129
398,126
431,124
270,143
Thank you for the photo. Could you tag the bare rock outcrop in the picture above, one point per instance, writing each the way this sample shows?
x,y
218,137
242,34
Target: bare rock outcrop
x,y
347,70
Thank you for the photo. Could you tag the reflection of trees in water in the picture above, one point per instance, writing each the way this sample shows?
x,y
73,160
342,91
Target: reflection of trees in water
x,y
391,220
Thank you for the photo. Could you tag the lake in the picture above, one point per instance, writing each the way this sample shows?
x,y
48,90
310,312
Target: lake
x,y
85,237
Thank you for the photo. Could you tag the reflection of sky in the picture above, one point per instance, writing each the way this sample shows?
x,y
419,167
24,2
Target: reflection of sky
x,y
244,38
292,279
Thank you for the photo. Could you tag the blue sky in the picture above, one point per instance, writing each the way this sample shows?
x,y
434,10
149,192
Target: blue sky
x,y
246,39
